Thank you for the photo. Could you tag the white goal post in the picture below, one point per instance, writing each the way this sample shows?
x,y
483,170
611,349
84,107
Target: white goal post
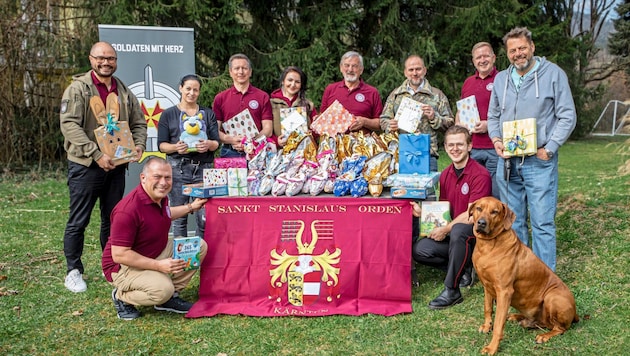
x,y
614,119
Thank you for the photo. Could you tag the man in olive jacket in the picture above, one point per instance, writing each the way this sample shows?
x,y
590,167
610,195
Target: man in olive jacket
x,y
92,174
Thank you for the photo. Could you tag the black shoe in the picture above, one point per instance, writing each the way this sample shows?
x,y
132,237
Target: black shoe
x,y
175,305
468,278
125,311
448,298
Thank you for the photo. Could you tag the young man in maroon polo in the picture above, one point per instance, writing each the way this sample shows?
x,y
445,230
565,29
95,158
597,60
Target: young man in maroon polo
x,y
450,247
138,258
242,95
359,98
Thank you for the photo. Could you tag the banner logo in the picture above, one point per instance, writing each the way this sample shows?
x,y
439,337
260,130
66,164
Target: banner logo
x,y
313,271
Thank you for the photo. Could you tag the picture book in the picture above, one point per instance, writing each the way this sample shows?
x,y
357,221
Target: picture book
x,y
187,249
409,114
434,214
468,112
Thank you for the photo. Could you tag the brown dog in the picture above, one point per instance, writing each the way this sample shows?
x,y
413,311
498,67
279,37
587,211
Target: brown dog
x,y
512,275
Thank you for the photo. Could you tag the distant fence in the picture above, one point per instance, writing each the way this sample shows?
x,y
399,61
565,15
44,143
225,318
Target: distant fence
x,y
614,119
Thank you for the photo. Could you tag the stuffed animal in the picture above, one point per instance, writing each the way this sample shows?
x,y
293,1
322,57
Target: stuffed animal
x,y
193,131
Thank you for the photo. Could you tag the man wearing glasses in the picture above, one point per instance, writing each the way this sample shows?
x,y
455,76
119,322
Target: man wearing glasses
x,y
92,174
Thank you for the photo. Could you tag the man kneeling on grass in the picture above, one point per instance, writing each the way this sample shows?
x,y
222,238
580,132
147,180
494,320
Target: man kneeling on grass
x,y
137,259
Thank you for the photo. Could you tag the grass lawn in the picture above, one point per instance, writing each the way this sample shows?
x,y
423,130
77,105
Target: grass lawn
x,y
39,316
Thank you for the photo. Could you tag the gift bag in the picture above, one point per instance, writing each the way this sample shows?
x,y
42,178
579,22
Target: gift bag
x,y
114,137
413,153
519,137
237,182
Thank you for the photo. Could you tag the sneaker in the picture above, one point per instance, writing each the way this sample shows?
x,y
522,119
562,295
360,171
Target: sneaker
x,y
175,305
125,311
74,282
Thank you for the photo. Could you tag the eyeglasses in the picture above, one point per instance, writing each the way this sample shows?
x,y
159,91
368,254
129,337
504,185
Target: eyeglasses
x,y
103,59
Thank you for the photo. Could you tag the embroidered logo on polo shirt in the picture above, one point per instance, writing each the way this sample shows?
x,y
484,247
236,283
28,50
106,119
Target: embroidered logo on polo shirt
x,y
253,104
489,86
465,189
359,97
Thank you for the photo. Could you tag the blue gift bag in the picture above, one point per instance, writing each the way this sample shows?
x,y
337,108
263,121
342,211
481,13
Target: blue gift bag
x,y
413,153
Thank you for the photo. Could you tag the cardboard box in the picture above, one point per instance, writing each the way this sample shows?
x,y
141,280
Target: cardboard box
x,y
428,180
198,190
411,193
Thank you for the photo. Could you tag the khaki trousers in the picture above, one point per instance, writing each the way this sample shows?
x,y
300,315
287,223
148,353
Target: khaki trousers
x,y
147,287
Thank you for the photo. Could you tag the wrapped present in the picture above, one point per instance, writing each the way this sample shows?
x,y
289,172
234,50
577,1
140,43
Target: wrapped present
x,y
241,125
335,119
230,162
114,137
409,114
415,180
468,112
519,137
214,177
411,193
293,119
237,182
199,190
413,153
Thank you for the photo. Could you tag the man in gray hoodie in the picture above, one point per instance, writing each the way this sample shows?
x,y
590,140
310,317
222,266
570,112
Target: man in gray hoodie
x,y
531,87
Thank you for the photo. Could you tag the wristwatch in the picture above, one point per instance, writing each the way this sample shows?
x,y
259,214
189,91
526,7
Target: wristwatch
x,y
549,153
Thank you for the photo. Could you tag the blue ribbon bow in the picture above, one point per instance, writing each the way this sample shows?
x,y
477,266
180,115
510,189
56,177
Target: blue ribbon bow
x,y
413,157
111,125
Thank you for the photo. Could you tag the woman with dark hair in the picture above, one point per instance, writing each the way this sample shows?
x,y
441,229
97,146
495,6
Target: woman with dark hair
x,y
292,93
189,134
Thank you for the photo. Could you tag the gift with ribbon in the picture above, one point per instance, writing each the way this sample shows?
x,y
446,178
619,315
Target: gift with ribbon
x,y
113,137
519,137
230,162
413,153
237,182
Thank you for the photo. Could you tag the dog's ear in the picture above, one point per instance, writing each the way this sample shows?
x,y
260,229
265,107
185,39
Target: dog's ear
x,y
508,218
471,209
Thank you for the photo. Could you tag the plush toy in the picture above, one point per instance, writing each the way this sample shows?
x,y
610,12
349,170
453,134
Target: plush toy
x,y
193,131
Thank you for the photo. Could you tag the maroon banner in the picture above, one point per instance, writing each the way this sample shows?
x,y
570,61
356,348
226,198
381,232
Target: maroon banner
x,y
305,256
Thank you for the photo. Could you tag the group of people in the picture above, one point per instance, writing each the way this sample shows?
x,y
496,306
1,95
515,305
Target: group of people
x,y
137,251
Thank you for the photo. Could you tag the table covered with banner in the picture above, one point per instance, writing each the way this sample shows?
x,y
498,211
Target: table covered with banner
x,y
306,256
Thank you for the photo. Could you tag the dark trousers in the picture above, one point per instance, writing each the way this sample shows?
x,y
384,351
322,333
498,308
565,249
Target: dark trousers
x,y
86,185
453,254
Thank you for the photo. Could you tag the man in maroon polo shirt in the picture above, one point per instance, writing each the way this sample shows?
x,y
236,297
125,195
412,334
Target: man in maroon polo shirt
x,y
138,258
480,85
359,98
450,247
242,95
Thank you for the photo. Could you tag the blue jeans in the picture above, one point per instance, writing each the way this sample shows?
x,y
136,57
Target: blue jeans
x,y
227,151
488,158
186,171
533,189
86,185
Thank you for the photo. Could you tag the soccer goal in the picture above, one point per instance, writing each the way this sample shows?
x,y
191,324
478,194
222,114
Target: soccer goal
x,y
614,119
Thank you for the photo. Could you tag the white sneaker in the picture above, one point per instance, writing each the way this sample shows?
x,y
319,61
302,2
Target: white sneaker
x,y
74,282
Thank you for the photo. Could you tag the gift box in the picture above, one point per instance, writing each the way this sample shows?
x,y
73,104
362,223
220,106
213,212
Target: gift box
x,y
409,114
519,137
214,177
241,125
199,190
293,119
412,180
413,153
335,119
237,182
230,162
468,112
412,193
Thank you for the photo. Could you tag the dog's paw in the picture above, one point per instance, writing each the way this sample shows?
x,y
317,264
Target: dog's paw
x,y
485,328
488,350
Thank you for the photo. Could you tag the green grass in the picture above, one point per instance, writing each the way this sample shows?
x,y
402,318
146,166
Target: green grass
x,y
39,316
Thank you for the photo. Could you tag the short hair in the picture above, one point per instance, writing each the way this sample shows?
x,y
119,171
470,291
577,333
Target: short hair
x,y
150,161
413,56
188,77
239,56
479,45
517,32
351,54
457,129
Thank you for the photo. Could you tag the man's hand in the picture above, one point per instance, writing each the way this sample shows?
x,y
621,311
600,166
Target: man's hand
x,y
393,125
439,233
106,163
416,209
358,123
171,266
480,127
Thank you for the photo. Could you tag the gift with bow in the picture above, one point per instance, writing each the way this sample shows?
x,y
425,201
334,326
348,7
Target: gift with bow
x,y
113,137
413,153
